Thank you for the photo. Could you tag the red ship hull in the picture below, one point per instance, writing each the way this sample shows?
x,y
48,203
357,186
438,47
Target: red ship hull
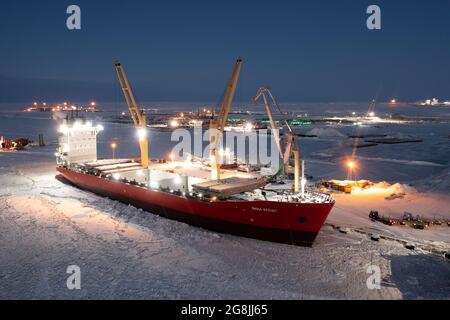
x,y
291,223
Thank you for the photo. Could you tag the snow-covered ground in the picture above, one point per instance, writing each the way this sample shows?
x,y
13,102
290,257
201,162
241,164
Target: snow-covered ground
x,y
47,225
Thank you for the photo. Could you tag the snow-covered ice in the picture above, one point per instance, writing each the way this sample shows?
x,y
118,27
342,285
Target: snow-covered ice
x,y
123,252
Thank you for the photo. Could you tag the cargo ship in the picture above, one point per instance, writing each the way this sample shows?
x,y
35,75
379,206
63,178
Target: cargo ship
x,y
243,206
212,195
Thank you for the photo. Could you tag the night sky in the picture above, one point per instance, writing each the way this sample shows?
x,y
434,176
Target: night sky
x,y
184,50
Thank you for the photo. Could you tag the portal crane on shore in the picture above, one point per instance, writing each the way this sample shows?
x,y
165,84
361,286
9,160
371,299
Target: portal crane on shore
x,y
137,115
217,125
291,147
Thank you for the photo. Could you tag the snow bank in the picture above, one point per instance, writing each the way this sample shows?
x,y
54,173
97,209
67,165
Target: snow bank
x,y
396,188
325,132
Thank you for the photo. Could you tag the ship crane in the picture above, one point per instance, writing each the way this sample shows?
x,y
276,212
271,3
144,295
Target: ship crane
x,y
291,147
217,124
137,115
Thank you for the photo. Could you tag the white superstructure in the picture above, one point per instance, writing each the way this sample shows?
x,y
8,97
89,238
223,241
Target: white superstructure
x,y
77,142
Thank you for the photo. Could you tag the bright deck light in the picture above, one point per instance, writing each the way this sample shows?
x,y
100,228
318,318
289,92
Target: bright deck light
x,y
154,185
303,182
248,126
177,180
141,133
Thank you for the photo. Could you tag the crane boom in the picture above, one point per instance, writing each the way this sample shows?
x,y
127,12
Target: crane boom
x,y
262,93
265,92
138,116
291,147
222,116
217,125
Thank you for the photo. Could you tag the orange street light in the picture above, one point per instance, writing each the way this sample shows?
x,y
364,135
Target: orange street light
x,y
113,147
351,165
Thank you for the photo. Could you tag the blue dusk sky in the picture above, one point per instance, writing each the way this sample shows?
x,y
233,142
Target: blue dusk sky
x,y
313,50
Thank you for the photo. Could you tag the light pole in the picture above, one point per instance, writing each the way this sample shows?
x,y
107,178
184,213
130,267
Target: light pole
x,y
351,166
113,147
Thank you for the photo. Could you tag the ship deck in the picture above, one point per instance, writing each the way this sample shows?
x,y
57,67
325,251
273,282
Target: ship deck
x,y
184,168
185,176
200,170
194,177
